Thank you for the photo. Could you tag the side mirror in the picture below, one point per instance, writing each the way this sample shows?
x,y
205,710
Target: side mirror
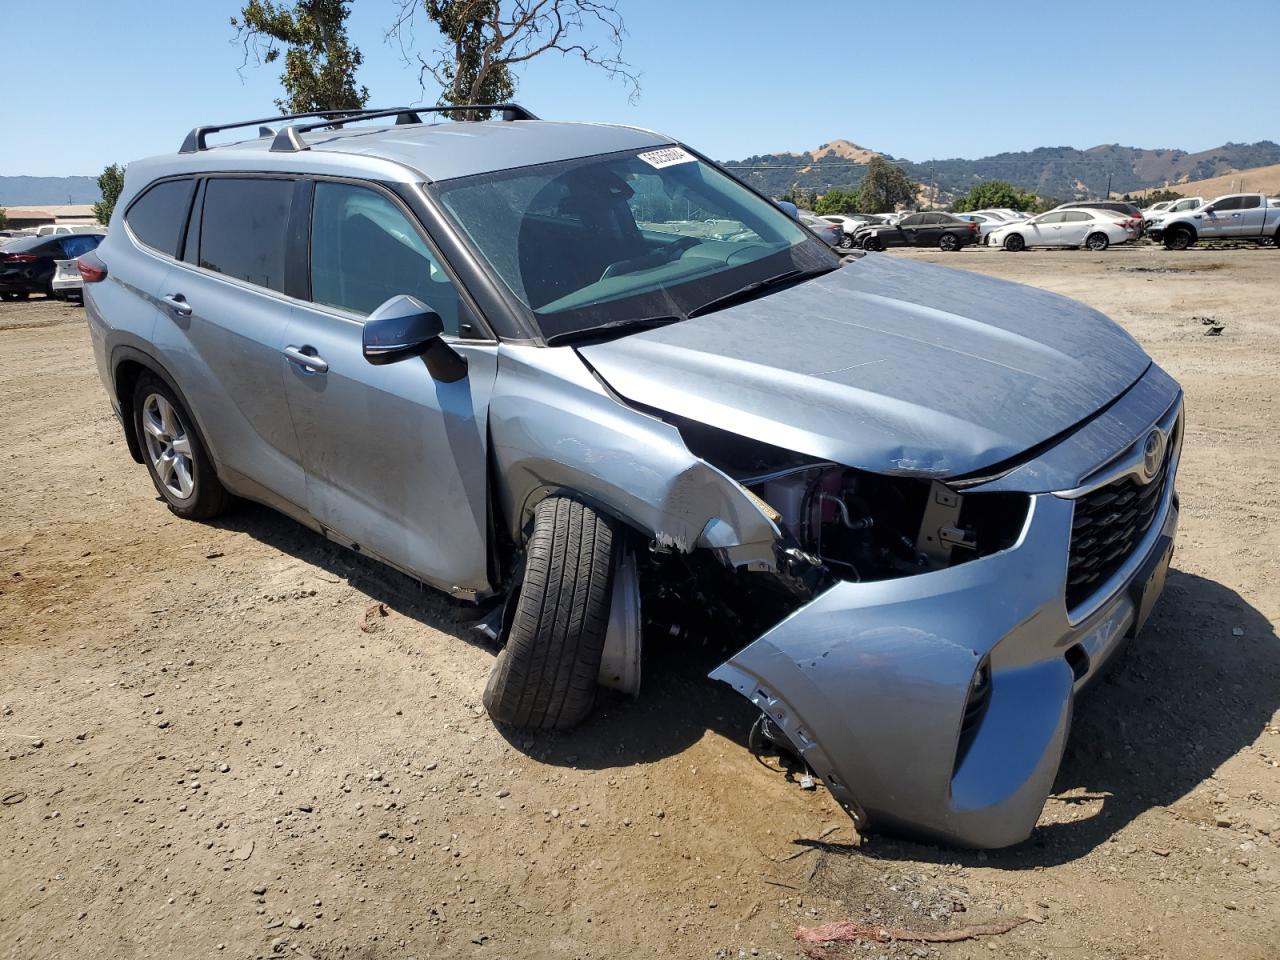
x,y
404,327
789,208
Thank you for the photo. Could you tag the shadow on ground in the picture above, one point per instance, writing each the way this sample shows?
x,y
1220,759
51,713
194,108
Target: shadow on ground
x,y
1179,701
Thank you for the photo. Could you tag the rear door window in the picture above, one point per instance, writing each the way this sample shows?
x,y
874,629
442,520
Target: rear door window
x,y
244,228
157,217
77,246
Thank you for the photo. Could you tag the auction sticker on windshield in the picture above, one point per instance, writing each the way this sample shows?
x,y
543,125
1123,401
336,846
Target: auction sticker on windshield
x,y
667,157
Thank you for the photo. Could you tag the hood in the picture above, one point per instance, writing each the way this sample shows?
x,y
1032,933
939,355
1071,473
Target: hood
x,y
885,365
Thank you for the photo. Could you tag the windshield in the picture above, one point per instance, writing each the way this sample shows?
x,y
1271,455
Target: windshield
x,y
628,236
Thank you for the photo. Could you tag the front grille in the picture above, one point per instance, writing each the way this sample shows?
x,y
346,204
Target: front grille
x,y
1107,525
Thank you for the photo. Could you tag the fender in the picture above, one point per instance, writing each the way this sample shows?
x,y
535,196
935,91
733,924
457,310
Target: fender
x,y
126,353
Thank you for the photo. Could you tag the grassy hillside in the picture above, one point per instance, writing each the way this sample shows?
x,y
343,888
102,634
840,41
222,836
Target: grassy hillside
x,y
1258,180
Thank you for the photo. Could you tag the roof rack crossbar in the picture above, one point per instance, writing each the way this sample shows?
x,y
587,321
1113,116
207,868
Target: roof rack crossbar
x,y
289,139
195,141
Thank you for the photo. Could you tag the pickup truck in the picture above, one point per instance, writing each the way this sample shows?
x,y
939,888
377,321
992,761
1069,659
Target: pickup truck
x,y
1237,216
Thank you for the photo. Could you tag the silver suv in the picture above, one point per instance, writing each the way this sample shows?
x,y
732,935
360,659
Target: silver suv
x,y
582,376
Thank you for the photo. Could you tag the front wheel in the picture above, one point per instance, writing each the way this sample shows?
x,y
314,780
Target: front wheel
x,y
180,468
1179,238
949,242
1097,241
1014,243
872,243
545,676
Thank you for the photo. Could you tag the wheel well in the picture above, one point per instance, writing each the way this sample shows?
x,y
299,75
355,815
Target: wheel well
x,y
1182,225
126,378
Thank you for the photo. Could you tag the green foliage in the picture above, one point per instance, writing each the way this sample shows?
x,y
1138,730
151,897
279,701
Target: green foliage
x,y
1045,204
319,61
883,187
469,76
111,182
4,218
837,201
995,193
483,41
1160,196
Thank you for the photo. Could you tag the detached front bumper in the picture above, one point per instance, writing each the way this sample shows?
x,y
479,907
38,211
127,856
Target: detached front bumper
x,y
871,681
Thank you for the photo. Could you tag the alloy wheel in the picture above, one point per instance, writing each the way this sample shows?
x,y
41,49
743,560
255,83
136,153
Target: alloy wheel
x,y
168,446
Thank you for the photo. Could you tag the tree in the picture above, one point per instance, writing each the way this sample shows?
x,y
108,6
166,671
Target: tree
x,y
483,40
320,62
1161,196
110,183
4,218
837,201
995,193
883,187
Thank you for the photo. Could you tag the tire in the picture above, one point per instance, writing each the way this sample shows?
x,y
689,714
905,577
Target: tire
x,y
545,676
1014,243
1097,242
949,242
17,295
173,452
871,243
1179,238
846,241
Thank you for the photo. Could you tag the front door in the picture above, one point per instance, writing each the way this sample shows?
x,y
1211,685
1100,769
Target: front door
x,y
395,460
1048,229
1075,226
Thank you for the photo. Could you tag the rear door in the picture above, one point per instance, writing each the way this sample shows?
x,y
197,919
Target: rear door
x,y
226,311
1252,216
396,460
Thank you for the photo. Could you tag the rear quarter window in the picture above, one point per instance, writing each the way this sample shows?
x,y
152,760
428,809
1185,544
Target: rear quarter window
x,y
157,218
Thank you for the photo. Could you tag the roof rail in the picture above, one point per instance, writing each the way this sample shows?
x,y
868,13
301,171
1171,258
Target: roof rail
x,y
289,139
195,139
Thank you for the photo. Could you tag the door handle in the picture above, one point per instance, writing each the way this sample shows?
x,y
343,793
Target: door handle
x,y
178,304
308,361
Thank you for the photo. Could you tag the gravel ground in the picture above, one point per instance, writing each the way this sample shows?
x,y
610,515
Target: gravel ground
x,y
237,740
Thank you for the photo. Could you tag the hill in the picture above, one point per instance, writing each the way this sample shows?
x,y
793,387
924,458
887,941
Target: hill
x,y
34,191
1259,180
1061,172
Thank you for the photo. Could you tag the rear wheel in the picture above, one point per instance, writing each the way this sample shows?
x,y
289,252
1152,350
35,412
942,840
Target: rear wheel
x,y
1014,242
180,468
1097,241
846,241
15,295
545,676
1179,238
948,242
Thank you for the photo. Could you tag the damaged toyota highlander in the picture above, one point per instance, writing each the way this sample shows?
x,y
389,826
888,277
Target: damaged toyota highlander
x,y
580,375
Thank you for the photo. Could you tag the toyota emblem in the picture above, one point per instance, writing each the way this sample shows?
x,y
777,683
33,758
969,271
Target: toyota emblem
x,y
1152,455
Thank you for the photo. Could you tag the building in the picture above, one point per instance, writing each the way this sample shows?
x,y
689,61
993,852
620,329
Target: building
x,y
62,214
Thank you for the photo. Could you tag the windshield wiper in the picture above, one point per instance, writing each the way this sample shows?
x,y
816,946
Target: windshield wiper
x,y
754,289
611,328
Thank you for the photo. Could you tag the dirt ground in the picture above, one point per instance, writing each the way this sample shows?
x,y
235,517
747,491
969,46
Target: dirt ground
x,y
212,748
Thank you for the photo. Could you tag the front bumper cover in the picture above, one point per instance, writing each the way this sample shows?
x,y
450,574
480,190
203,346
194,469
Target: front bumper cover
x,y
870,680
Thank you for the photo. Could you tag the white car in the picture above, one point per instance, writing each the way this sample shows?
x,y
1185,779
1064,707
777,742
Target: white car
x,y
58,229
987,222
1004,213
1094,229
1171,206
67,282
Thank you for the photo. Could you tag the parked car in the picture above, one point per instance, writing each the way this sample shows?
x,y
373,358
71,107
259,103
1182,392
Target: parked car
x,y
919,508
61,229
931,229
986,223
67,284
1094,229
1173,206
1237,216
849,224
27,266
828,232
1007,213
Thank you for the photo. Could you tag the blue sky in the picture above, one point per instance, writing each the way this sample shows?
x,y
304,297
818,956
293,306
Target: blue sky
x,y
120,79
